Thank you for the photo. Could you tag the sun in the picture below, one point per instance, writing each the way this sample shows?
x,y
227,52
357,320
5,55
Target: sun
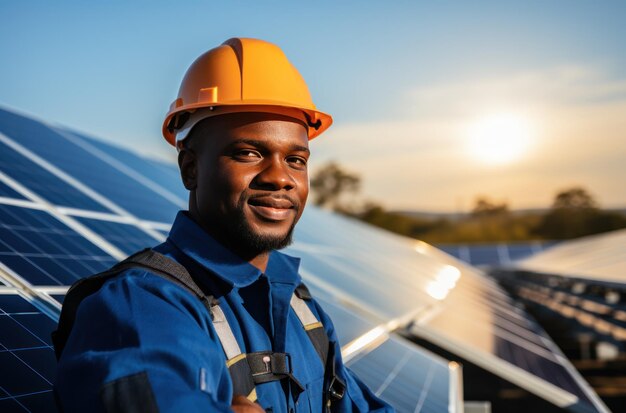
x,y
499,139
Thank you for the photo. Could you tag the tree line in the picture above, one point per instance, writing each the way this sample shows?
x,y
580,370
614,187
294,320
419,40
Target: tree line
x,y
573,213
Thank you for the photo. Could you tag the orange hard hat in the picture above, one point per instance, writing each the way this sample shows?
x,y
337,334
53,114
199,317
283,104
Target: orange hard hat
x,y
242,75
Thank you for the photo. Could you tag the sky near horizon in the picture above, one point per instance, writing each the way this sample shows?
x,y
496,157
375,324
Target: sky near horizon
x,y
434,103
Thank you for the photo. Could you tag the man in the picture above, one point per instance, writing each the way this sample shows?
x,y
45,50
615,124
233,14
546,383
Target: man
x,y
224,323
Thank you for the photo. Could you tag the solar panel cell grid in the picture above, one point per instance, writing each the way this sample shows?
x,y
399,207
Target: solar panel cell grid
x,y
43,250
166,175
43,183
25,352
89,169
411,380
549,370
126,237
8,192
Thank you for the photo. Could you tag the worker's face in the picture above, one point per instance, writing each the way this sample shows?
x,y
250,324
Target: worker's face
x,y
248,177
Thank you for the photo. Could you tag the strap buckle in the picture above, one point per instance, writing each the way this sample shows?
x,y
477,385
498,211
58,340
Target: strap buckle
x,y
337,388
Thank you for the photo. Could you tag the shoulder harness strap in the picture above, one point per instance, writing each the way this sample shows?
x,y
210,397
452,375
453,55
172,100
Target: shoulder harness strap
x,y
312,326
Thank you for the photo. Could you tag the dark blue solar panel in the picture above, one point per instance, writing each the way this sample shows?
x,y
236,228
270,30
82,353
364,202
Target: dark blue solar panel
x,y
166,175
484,255
59,297
42,182
43,250
408,379
8,192
87,168
518,252
451,249
126,237
548,370
26,357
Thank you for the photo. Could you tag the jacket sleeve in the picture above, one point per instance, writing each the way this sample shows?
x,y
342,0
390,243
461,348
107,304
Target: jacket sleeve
x,y
141,343
358,397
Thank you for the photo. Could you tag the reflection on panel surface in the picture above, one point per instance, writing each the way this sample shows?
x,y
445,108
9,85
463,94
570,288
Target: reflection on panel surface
x,y
599,257
44,251
26,357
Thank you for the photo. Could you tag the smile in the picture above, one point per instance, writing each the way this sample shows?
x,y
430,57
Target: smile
x,y
272,208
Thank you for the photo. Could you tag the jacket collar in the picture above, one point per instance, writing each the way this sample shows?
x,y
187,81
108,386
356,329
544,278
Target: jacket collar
x,y
198,245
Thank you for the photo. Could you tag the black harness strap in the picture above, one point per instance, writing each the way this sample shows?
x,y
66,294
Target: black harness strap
x,y
241,376
148,259
316,334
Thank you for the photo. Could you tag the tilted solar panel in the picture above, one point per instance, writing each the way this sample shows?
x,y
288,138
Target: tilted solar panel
x,y
600,257
451,304
68,156
421,381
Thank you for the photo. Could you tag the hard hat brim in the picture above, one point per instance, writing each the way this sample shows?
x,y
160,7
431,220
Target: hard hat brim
x,y
317,121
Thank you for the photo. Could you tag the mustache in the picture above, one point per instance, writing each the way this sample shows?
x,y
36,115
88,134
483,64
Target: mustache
x,y
274,196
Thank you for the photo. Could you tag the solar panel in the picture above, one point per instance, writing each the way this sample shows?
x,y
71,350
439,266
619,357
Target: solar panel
x,y
500,254
599,257
127,237
453,303
43,250
8,192
77,161
40,181
26,356
368,280
163,174
410,379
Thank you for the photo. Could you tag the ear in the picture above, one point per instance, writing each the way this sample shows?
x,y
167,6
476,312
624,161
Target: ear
x,y
188,164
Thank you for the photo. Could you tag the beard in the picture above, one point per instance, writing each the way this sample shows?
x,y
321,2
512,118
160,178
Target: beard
x,y
254,242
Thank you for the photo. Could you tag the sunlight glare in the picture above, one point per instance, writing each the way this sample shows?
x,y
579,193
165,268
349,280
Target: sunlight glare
x,y
499,139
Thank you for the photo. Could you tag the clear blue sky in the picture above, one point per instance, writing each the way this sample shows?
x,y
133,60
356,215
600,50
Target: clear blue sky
x,y
402,79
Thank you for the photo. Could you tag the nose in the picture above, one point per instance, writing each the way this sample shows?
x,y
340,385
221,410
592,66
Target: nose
x,y
274,176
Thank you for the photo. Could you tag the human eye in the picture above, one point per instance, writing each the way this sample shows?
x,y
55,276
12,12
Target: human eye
x,y
298,162
246,154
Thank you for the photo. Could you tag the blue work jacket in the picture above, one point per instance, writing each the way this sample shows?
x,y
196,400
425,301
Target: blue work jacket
x,y
143,330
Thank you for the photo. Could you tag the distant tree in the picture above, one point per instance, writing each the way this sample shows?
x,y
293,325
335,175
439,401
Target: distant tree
x,y
330,183
574,198
375,214
575,213
486,208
